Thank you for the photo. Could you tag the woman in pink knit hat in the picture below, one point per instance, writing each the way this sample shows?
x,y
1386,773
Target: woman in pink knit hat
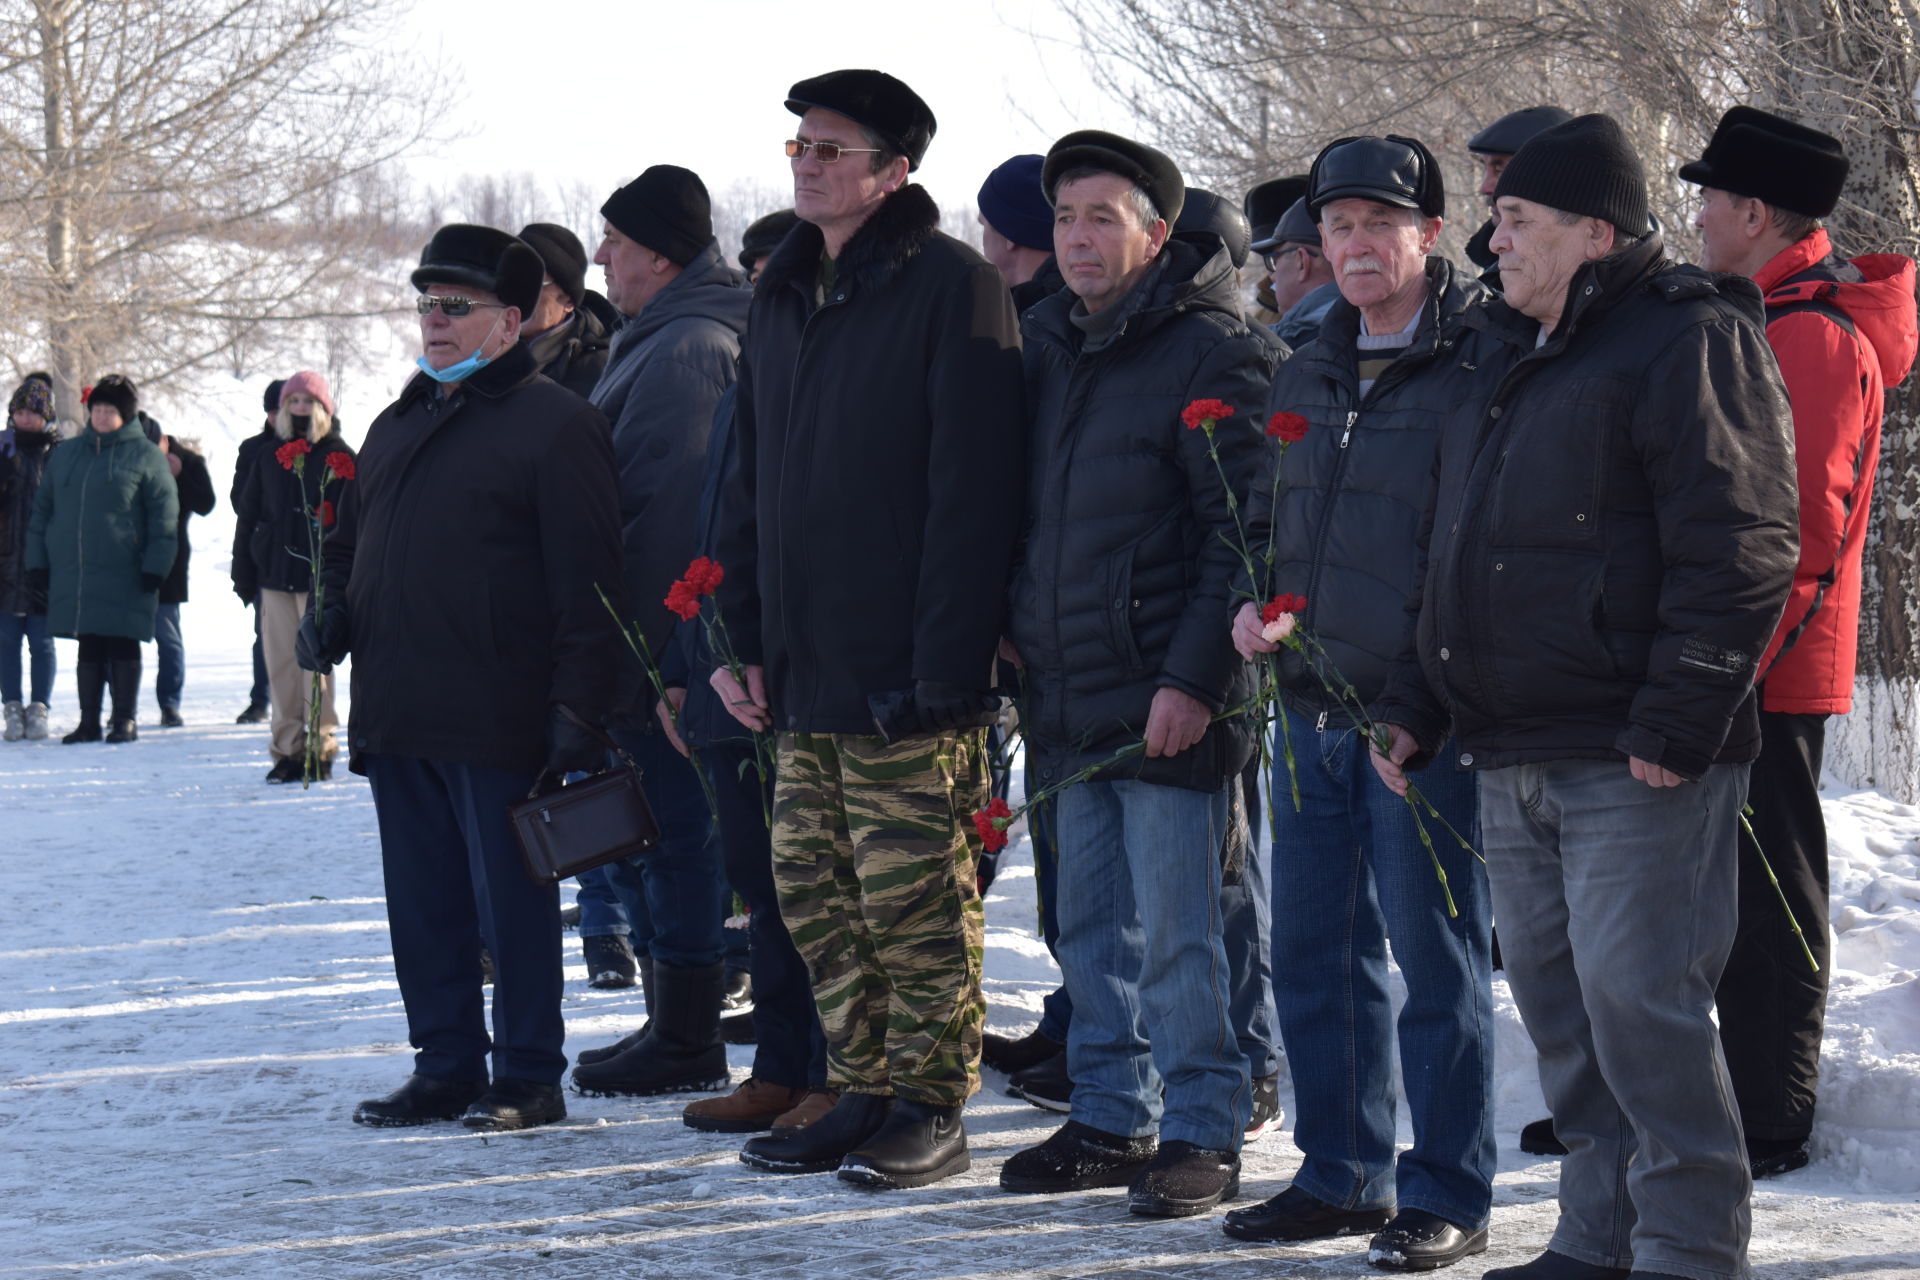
x,y
271,563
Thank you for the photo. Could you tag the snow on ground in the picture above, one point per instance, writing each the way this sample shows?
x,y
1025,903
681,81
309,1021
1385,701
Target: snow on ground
x,y
196,986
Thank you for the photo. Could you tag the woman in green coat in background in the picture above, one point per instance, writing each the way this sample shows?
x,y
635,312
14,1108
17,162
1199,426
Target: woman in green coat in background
x,y
101,543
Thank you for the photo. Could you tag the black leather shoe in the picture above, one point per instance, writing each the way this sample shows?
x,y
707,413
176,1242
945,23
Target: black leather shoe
x,y
1078,1157
1556,1266
1030,1050
421,1100
1182,1180
256,713
919,1144
822,1145
1538,1139
1046,1084
170,718
1768,1157
286,769
1420,1241
1295,1215
516,1104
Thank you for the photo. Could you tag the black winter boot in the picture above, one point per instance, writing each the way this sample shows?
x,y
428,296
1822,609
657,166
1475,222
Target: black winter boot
x,y
90,679
1183,1179
123,677
920,1143
421,1100
587,1057
822,1145
1078,1157
681,1051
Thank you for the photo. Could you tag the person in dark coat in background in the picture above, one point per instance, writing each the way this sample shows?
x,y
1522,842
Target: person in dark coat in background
x,y
1609,550
1016,229
1491,149
1843,332
25,447
259,697
1300,275
1264,203
879,415
194,487
100,544
1117,610
463,575
682,307
272,565
571,326
762,237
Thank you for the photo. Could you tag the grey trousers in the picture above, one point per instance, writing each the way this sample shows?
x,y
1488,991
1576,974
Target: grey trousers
x,y
1616,904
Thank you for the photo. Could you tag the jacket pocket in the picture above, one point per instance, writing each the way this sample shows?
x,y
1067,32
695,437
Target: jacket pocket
x,y
1121,605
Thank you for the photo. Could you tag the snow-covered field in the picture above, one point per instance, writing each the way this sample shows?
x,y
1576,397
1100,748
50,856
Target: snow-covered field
x,y
196,986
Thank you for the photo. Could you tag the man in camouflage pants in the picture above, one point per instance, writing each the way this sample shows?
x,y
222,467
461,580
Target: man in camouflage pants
x,y
866,542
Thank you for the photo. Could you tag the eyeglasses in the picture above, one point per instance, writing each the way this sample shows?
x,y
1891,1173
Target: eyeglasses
x,y
451,306
1272,256
825,152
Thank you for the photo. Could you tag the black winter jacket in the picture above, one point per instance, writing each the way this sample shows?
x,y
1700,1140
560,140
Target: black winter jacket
x,y
271,544
195,489
574,352
245,455
1354,492
1123,585
670,364
1614,533
880,438
468,551
23,462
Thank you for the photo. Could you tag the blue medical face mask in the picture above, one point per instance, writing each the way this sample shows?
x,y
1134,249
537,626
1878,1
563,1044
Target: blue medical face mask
x,y
461,370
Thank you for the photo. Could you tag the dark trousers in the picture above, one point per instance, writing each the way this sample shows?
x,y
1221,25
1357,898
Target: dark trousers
x,y
789,1048
675,894
258,696
454,882
1772,1003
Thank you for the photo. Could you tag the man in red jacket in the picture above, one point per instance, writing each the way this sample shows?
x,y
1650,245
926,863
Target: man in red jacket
x,y
1843,332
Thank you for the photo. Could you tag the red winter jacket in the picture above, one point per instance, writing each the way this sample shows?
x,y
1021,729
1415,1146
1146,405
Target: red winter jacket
x,y
1837,382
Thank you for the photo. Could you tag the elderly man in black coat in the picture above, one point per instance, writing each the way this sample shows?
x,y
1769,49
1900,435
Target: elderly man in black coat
x,y
1118,613
461,574
866,559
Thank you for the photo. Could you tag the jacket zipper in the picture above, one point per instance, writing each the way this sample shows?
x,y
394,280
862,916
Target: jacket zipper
x,y
786,458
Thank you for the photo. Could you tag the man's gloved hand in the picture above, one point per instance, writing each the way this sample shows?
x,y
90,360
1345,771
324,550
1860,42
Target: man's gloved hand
x,y
571,748
151,583
317,647
942,708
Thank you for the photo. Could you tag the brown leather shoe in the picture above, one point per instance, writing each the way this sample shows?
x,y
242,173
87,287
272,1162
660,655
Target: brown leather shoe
x,y
817,1103
751,1108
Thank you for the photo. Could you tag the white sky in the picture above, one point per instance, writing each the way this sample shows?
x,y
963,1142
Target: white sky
x,y
701,84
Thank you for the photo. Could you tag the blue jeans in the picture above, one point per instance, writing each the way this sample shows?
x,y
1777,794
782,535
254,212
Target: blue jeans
x,y
13,629
1350,872
454,881
613,901
170,672
1618,905
1142,952
679,885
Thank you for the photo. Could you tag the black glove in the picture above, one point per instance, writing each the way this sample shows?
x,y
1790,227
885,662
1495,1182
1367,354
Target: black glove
x,y
572,748
38,579
247,592
317,647
942,708
151,583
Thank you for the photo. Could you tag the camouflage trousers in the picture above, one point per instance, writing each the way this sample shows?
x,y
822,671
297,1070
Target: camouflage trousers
x,y
874,854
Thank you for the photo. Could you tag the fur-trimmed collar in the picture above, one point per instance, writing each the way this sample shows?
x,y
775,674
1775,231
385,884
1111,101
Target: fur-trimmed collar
x,y
901,227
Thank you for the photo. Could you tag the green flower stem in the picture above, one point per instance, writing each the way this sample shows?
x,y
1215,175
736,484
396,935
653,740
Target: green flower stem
x,y
1792,923
637,641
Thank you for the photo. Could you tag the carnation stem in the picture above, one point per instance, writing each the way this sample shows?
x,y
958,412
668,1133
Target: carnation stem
x,y
1792,922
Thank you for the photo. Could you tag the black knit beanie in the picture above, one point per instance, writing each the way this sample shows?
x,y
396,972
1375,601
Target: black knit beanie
x,y
666,209
116,390
1585,166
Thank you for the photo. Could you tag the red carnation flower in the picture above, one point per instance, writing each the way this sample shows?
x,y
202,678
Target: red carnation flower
x,y
326,515
1204,413
683,600
341,464
992,822
1282,604
704,576
291,452
1288,427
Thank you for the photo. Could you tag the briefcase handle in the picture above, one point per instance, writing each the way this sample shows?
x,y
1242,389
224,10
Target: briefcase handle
x,y
599,735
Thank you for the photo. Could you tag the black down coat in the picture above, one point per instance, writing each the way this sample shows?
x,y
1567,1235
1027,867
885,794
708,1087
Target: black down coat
x,y
468,551
1353,494
880,436
1614,532
23,461
1124,582
194,487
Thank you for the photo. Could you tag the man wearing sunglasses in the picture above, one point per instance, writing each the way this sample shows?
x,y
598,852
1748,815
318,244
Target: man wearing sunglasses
x,y
866,565
461,573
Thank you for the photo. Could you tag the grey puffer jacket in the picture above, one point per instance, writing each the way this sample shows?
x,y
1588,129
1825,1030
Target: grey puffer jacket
x,y
669,366
1123,585
1352,494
